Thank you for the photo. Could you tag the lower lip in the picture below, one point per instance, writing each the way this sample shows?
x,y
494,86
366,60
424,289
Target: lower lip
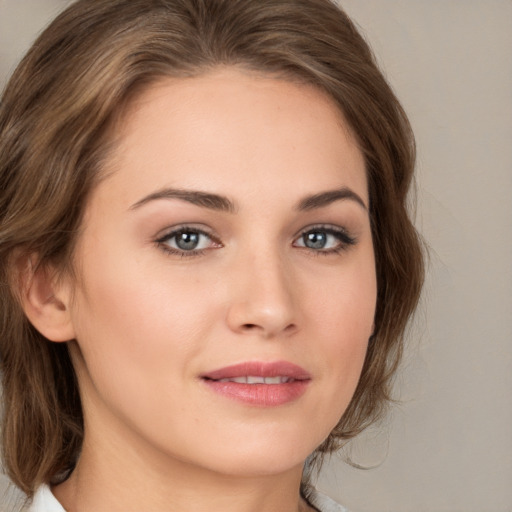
x,y
263,395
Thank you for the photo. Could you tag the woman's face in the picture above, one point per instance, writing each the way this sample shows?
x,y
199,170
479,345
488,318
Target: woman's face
x,y
227,286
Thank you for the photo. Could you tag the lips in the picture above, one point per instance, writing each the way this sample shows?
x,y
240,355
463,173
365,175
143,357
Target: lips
x,y
259,383
253,379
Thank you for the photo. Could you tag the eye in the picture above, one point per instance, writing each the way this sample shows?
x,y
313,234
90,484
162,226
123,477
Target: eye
x,y
325,239
187,241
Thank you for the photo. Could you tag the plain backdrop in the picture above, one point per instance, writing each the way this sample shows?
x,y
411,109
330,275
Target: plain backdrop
x,y
448,446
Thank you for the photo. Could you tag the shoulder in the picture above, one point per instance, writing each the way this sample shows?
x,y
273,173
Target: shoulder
x,y
45,501
323,503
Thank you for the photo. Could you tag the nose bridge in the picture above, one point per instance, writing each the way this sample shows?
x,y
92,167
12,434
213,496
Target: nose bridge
x,y
263,300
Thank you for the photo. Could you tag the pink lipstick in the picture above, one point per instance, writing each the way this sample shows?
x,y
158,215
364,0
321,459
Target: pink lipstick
x,y
259,383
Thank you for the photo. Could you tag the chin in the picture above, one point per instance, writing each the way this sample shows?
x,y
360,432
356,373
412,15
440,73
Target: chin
x,y
264,455
260,464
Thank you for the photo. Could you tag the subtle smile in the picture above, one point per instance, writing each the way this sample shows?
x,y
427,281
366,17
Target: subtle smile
x,y
259,383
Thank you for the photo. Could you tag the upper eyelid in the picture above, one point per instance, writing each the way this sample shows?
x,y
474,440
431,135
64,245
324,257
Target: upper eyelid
x,y
173,230
333,228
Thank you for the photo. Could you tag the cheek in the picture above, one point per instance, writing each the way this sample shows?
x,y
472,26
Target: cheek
x,y
136,320
345,308
343,320
138,334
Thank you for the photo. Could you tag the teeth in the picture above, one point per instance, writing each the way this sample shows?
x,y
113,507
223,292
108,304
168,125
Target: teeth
x,y
256,379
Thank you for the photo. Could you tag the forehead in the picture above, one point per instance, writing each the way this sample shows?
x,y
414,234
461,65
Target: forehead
x,y
237,130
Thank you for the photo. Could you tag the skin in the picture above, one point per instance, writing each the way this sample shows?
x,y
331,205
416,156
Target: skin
x,y
149,322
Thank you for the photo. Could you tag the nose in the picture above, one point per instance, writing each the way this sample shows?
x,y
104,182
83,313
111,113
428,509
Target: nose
x,y
263,302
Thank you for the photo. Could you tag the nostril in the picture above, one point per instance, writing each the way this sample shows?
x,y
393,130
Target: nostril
x,y
250,327
290,328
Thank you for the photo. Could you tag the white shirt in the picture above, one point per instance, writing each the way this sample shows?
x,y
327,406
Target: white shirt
x,y
45,501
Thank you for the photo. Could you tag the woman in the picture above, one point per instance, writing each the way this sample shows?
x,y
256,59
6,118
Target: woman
x,y
207,257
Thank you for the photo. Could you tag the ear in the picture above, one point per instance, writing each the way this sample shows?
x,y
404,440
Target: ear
x,y
46,299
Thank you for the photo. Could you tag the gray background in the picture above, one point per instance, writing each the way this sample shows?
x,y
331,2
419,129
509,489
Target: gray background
x,y
448,445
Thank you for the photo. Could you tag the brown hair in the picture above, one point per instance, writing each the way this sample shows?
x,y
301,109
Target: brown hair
x,y
54,136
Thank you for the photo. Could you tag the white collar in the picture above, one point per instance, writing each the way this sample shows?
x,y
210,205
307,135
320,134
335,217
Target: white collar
x,y
45,501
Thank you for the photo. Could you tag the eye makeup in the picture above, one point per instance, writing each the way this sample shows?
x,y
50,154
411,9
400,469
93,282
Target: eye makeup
x,y
325,239
192,241
187,241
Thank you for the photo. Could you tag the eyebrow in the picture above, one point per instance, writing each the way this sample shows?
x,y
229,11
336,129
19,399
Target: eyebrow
x,y
224,204
202,199
323,199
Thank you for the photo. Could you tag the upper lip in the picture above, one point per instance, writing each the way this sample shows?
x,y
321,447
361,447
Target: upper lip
x,y
259,369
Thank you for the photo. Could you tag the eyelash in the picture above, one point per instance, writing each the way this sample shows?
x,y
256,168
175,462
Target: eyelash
x,y
344,239
162,242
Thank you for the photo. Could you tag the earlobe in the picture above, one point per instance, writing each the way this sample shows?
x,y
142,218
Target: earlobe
x,y
45,300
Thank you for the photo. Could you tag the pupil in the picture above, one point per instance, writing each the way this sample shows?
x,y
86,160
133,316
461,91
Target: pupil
x,y
315,240
187,241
